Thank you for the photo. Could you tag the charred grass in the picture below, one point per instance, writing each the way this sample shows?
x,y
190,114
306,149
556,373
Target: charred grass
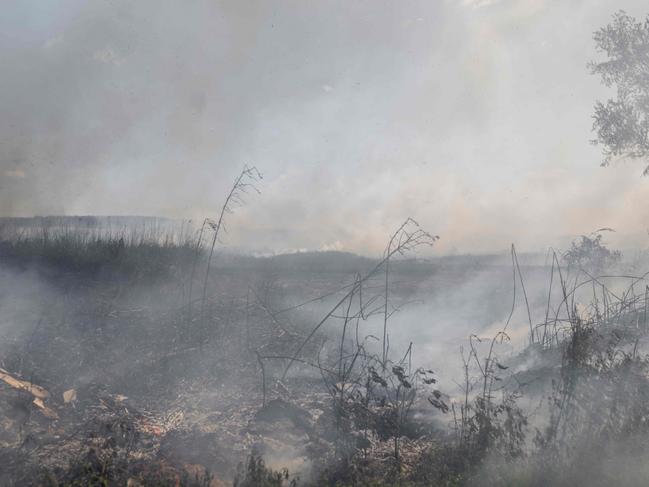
x,y
171,388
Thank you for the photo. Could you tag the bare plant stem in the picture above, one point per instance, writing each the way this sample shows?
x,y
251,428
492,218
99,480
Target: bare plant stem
x,y
385,307
245,180
406,238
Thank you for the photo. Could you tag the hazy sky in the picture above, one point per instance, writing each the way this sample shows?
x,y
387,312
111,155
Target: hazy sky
x,y
471,116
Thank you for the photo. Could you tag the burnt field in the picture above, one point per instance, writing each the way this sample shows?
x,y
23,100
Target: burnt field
x,y
379,251
130,361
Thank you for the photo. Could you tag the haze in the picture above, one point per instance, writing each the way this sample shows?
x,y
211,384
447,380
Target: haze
x,y
472,117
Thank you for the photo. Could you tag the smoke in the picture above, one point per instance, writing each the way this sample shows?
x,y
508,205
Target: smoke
x,y
358,115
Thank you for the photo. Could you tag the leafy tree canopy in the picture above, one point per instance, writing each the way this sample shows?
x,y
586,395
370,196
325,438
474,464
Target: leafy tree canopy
x,y
622,124
590,254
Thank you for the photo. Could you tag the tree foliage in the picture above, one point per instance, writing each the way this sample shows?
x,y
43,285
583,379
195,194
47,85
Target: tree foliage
x,y
590,254
622,124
